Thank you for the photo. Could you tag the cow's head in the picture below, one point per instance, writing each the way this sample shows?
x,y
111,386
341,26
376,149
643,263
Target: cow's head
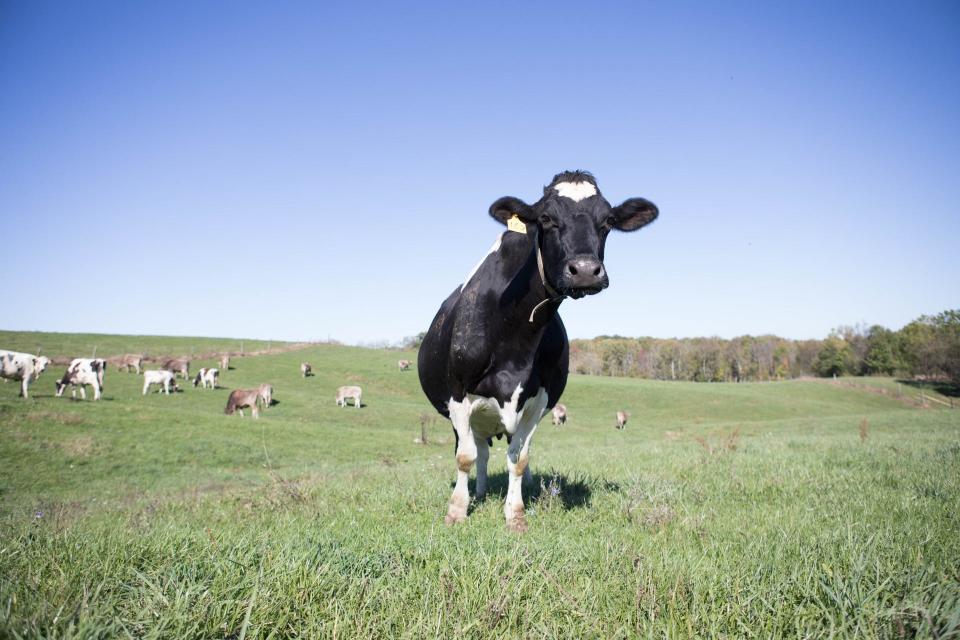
x,y
39,365
61,385
573,220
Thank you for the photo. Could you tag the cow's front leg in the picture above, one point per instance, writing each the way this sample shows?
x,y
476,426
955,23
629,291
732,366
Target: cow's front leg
x,y
23,386
518,469
466,455
483,456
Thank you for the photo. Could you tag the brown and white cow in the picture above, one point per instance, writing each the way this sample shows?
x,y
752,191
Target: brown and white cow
x,y
82,372
162,377
179,366
622,419
241,399
404,365
306,369
24,367
207,377
349,391
129,361
559,414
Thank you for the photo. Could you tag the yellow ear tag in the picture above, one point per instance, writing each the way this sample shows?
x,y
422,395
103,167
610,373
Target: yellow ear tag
x,y
515,224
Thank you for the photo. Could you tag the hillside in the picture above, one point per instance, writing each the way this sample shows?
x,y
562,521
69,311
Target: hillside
x,y
788,508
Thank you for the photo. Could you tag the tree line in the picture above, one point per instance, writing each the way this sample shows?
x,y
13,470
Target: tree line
x,y
928,348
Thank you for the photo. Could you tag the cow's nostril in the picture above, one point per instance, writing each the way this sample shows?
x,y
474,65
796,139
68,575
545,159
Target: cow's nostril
x,y
572,269
597,271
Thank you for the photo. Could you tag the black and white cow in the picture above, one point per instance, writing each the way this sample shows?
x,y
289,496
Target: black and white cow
x,y
82,372
24,367
495,358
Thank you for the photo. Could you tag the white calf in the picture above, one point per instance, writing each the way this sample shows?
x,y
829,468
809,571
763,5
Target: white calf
x,y
265,392
208,378
403,365
24,367
162,377
622,419
559,414
306,369
82,372
348,392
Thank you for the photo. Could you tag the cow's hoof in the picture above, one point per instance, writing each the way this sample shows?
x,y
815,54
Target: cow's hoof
x,y
455,514
454,518
517,524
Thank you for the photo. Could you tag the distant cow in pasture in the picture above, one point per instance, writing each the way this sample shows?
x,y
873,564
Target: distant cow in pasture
x,y
241,399
559,414
129,361
266,394
225,363
622,417
495,358
162,377
404,365
305,369
348,391
207,377
180,366
24,367
82,372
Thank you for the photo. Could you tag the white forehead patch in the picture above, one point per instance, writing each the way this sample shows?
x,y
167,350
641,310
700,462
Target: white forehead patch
x,y
576,191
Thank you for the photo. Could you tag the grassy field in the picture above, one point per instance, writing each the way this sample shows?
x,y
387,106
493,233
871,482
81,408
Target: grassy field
x,y
793,509
88,345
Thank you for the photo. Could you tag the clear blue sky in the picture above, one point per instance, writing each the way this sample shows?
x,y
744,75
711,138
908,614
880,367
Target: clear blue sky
x,y
311,170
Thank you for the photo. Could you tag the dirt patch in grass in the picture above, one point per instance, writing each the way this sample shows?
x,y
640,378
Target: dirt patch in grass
x,y
66,419
79,447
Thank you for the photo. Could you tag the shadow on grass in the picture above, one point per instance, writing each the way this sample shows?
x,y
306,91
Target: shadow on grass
x,y
573,492
944,388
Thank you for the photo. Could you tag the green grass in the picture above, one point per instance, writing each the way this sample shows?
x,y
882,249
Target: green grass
x,y
750,510
86,345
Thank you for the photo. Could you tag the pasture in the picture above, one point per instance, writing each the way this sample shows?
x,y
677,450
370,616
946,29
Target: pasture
x,y
793,509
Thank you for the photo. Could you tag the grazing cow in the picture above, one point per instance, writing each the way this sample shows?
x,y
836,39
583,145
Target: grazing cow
x,y
266,394
162,377
495,357
129,361
24,367
179,366
404,365
82,372
225,363
306,369
622,419
345,392
207,377
559,414
243,398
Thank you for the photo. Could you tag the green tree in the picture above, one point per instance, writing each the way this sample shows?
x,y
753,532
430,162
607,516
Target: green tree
x,y
883,352
834,357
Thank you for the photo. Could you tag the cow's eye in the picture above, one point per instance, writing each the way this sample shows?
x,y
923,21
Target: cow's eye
x,y
608,222
546,220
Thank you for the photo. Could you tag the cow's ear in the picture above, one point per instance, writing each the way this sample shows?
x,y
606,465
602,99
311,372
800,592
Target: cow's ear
x,y
633,214
508,206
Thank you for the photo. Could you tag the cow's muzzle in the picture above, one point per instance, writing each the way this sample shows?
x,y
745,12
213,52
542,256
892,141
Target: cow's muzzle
x,y
584,275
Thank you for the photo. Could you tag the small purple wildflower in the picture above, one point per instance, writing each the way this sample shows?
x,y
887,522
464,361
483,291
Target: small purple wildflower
x,y
38,514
